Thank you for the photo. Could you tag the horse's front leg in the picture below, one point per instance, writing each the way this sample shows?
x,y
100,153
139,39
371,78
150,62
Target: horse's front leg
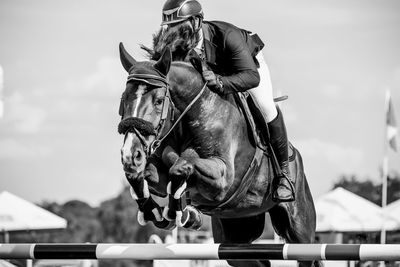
x,y
149,210
210,173
178,175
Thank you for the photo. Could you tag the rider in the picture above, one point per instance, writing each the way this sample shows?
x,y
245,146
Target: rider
x,y
233,62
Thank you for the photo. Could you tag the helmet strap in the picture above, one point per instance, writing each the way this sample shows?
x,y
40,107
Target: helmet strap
x,y
196,23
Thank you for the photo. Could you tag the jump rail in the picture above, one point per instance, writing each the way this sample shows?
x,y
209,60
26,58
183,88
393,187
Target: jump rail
x,y
302,252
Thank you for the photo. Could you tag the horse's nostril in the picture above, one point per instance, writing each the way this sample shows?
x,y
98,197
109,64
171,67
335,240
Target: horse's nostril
x,y
138,157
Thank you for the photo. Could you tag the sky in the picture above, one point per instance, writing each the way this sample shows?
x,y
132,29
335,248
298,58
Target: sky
x,y
335,59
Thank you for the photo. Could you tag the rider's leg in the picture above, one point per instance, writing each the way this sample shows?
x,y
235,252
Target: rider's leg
x,y
264,91
277,130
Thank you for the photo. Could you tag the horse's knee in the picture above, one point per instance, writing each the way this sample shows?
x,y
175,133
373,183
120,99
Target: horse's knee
x,y
220,192
181,169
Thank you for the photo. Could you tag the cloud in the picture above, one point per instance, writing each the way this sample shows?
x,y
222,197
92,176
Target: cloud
x,y
96,91
108,76
106,80
22,116
12,149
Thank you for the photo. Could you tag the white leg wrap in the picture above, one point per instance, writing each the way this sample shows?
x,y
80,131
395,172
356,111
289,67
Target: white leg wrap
x,y
187,218
133,194
157,215
178,219
140,218
169,188
180,191
146,191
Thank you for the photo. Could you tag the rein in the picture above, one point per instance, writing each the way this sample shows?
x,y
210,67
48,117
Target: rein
x,y
149,79
156,143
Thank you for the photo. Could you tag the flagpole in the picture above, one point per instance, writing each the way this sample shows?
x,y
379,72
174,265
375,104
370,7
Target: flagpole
x,y
385,165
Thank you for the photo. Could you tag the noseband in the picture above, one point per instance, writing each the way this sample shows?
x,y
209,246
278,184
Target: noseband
x,y
144,128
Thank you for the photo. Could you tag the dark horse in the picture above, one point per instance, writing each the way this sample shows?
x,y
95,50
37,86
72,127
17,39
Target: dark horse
x,y
181,137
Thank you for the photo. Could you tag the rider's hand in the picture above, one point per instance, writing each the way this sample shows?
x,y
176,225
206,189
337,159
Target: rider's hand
x,y
213,81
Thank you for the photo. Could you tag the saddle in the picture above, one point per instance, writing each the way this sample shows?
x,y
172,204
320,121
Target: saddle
x,y
254,118
256,122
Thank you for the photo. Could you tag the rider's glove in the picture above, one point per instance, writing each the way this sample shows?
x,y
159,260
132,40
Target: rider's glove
x,y
214,82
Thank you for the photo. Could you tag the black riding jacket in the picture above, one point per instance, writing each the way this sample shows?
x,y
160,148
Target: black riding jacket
x,y
230,53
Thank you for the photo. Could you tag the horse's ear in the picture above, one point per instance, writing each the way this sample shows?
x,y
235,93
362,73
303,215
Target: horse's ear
x,y
127,60
196,61
163,64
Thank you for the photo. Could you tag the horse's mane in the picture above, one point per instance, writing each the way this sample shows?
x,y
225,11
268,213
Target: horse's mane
x,y
181,39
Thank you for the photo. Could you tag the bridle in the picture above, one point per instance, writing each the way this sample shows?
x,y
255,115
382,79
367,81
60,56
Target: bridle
x,y
159,130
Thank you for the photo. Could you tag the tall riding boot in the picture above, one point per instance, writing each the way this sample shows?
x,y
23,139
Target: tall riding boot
x,y
283,192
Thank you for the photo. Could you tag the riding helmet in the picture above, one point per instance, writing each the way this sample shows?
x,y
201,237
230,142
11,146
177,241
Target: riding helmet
x,y
179,10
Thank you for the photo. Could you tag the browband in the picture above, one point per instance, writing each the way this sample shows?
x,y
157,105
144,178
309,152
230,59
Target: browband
x,y
145,78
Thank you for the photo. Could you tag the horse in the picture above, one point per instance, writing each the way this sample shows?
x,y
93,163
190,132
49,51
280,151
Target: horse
x,y
184,141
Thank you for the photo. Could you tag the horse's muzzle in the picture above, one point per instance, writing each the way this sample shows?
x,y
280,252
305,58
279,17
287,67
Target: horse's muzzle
x,y
132,156
137,159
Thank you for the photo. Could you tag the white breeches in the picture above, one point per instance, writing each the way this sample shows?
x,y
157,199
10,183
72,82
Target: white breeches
x,y
263,92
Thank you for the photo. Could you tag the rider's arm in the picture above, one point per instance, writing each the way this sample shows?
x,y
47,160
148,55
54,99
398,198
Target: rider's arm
x,y
241,62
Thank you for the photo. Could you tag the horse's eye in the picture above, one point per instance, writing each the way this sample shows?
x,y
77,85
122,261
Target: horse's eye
x,y
158,102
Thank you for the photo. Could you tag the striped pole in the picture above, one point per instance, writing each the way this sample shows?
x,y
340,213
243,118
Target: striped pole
x,y
303,252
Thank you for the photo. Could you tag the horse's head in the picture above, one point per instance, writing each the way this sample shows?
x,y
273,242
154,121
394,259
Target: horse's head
x,y
145,106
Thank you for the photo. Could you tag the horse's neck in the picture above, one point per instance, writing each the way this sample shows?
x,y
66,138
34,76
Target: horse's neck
x,y
186,84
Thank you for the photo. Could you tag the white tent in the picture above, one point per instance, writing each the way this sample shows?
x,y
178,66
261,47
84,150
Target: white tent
x,y
342,211
4,263
393,209
17,214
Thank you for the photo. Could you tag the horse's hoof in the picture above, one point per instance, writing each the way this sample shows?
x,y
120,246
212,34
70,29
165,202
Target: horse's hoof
x,y
194,218
181,218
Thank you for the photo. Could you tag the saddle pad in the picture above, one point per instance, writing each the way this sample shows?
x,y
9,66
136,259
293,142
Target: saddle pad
x,y
259,129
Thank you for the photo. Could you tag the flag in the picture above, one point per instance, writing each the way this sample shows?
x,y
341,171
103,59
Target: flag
x,y
391,125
